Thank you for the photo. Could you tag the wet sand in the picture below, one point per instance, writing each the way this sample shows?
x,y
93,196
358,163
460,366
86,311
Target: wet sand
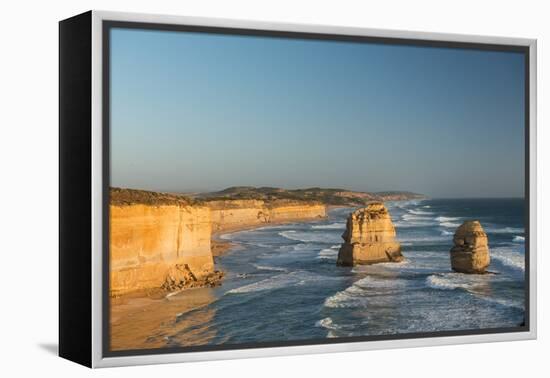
x,y
149,319
144,322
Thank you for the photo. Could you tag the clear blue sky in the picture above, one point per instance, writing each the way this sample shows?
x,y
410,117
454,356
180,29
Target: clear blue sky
x,y
201,112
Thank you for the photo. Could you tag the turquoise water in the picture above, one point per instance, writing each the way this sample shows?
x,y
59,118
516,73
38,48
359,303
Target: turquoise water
x,y
282,282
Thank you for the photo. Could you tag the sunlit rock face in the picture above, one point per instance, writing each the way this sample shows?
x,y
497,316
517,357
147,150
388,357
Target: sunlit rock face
x,y
230,215
369,238
470,253
167,245
149,242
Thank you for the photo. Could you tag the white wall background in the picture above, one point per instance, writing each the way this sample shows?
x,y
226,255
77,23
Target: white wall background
x,y
28,158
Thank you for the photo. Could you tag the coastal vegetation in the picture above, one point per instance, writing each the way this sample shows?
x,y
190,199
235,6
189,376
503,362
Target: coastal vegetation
x,y
327,196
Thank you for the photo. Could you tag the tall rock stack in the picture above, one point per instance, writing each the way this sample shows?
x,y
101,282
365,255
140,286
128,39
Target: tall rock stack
x,y
369,238
470,253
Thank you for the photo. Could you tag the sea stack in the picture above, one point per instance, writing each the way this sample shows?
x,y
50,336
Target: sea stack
x,y
470,253
369,238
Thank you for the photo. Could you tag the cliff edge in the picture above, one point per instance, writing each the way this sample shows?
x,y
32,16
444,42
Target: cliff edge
x,y
160,246
164,241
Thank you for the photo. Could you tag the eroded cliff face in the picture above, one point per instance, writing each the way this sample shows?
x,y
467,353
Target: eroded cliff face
x,y
156,246
369,237
167,245
237,214
470,253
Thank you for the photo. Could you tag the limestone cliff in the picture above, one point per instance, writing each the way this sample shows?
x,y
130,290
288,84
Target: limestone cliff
x,y
153,246
369,237
470,253
161,240
235,214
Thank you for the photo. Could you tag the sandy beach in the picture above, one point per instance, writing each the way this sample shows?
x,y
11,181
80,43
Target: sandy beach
x,y
139,319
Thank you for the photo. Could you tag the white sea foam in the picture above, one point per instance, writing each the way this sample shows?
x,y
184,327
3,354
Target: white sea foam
x,y
505,302
449,224
420,212
355,296
328,254
274,227
519,239
332,226
277,282
296,247
370,282
271,268
414,217
305,236
402,204
412,221
452,281
326,323
446,233
504,230
346,299
329,324
446,219
473,283
387,265
509,257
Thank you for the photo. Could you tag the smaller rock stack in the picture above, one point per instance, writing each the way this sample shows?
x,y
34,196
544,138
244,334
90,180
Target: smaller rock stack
x,y
369,237
470,253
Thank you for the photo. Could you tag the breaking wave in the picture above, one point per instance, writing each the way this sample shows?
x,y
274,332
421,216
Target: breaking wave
x,y
414,217
332,226
452,281
352,297
278,282
326,323
509,258
420,212
449,224
271,268
328,254
504,230
473,284
447,219
308,237
355,296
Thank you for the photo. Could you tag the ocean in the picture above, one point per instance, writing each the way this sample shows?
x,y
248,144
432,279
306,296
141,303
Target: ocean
x,y
282,282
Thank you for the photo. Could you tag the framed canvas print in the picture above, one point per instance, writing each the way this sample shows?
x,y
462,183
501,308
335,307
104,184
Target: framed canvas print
x,y
233,189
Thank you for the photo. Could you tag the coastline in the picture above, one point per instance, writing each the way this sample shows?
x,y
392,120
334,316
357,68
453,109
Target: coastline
x,y
141,322
140,318
220,246
137,319
202,316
